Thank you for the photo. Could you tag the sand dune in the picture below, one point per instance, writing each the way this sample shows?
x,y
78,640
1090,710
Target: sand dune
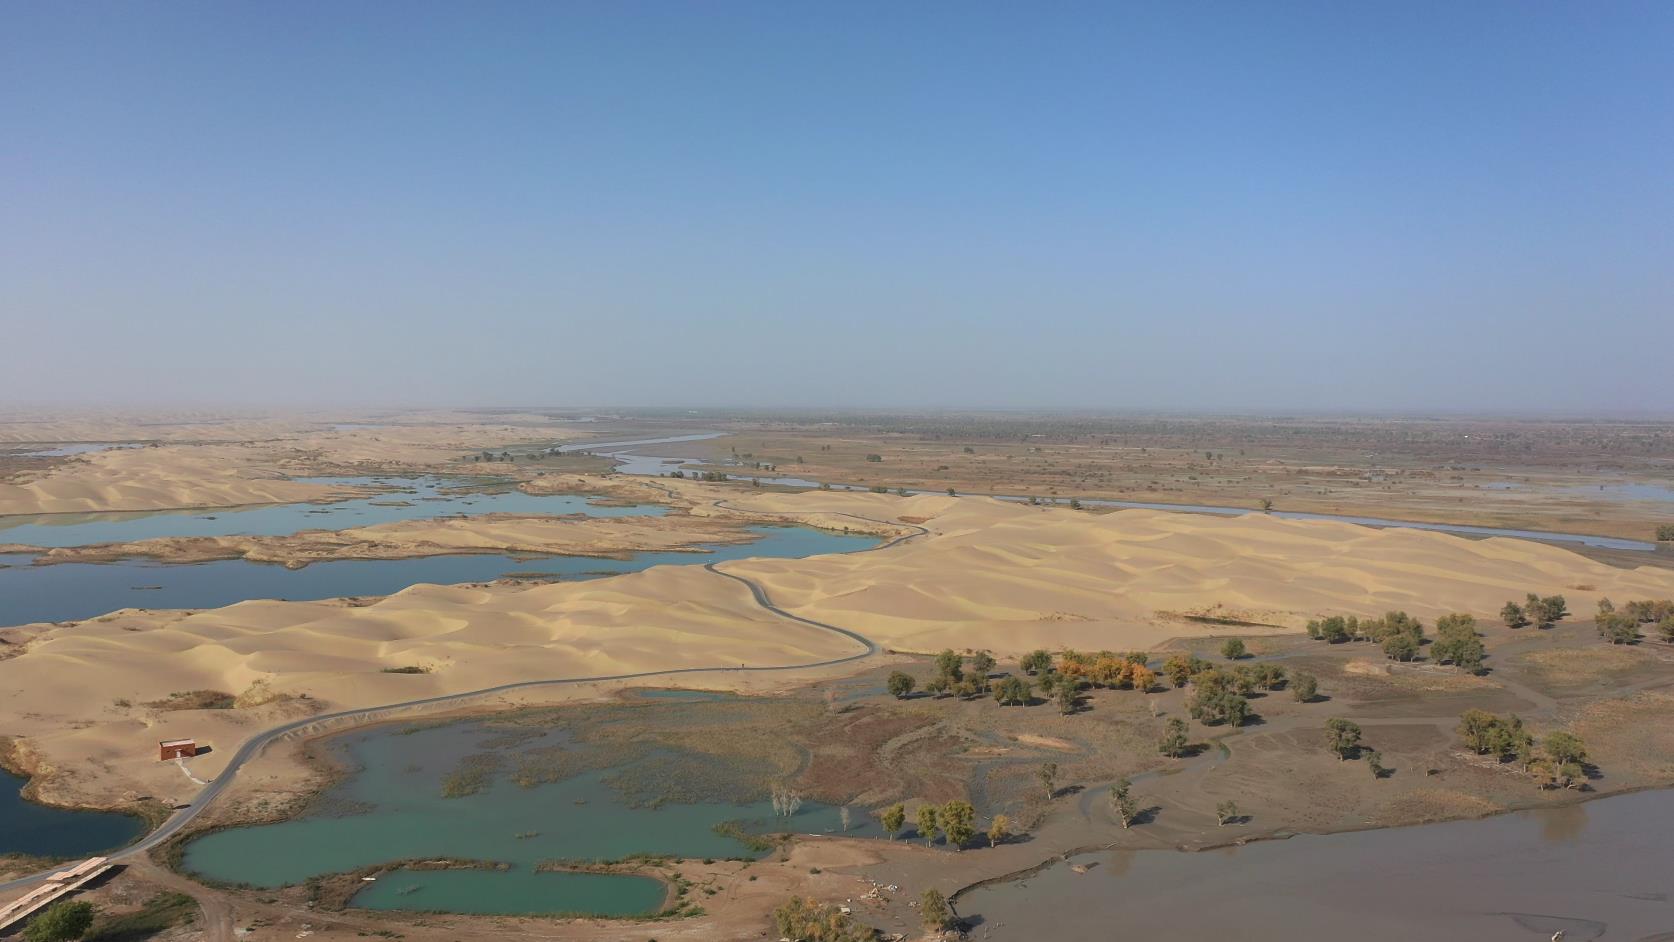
x,y
1005,575
990,574
77,695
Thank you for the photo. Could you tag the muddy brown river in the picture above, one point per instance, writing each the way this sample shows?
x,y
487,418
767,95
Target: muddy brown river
x,y
1602,870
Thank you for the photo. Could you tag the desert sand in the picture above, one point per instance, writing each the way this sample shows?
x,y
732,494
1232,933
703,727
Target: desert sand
x,y
989,574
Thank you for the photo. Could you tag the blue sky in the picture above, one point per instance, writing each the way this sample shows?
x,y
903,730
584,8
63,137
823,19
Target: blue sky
x,y
1339,206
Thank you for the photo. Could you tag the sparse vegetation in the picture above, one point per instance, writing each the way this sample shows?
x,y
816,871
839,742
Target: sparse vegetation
x,y
195,700
807,921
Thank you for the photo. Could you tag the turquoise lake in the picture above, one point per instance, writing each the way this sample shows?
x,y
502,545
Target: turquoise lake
x,y
392,807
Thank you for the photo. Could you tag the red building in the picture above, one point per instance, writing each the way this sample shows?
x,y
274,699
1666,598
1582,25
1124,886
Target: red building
x,y
178,748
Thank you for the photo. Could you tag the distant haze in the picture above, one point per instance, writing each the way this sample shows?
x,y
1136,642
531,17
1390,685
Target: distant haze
x,y
1214,205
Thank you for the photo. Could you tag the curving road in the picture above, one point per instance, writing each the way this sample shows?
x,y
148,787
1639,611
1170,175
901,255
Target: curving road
x,y
255,745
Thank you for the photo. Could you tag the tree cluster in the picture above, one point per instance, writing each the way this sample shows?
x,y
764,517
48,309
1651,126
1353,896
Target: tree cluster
x,y
1621,625
1400,634
955,821
1535,610
1458,643
952,678
1559,761
1215,699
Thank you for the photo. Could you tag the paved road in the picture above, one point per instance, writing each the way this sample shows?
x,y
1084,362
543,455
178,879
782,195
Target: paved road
x,y
254,746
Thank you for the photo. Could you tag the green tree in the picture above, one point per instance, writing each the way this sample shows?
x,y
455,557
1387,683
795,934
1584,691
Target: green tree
x,y
1232,649
1225,811
982,664
1068,695
894,817
1037,662
1174,742
1564,747
1400,647
958,821
1665,533
61,922
1458,643
1304,687
1123,803
1343,737
1215,699
929,822
933,907
1012,691
1374,762
950,666
1488,734
1666,629
1266,505
1512,615
1048,775
901,684
998,830
1617,627
1334,630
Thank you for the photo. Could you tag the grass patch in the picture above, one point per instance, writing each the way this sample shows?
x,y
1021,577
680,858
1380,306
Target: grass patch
x,y
473,774
195,700
409,669
756,843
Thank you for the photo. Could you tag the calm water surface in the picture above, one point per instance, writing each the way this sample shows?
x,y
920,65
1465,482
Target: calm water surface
x,y
392,808
40,831
74,591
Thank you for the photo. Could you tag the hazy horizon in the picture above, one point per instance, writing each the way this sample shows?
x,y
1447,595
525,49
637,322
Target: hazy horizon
x,y
1304,208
